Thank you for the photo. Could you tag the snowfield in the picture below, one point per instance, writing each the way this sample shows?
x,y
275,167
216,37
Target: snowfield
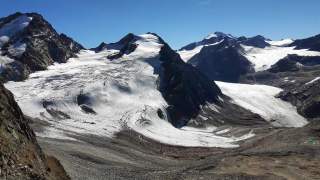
x,y
186,55
282,42
261,100
122,92
264,58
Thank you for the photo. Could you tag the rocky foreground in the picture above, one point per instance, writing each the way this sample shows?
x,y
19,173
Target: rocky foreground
x,y
21,156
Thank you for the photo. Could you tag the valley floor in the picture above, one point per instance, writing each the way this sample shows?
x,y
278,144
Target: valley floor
x,y
274,153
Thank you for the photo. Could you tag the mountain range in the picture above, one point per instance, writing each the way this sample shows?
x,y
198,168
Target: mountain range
x,y
222,97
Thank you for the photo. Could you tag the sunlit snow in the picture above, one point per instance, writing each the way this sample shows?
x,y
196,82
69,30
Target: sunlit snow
x,y
264,58
186,55
261,100
282,42
123,93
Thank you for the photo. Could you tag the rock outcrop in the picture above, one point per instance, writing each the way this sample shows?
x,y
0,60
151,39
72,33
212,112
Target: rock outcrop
x,y
311,43
306,98
222,62
21,156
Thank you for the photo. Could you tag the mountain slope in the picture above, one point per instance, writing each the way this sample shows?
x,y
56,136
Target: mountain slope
x,y
311,43
149,90
29,43
21,156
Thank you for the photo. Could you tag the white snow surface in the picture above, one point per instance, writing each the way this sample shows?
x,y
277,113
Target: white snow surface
x,y
264,58
282,42
123,93
260,99
13,27
186,55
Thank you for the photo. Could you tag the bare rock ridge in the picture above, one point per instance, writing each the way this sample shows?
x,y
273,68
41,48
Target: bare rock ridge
x,y
32,44
222,62
184,87
21,156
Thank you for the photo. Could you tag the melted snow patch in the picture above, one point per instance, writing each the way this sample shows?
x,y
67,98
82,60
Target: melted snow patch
x,y
264,58
261,99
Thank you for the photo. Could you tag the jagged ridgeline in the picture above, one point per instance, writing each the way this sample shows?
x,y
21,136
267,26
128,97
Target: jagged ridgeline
x,y
29,43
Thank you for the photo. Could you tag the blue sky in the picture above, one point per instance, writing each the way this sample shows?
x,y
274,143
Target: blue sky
x,y
178,21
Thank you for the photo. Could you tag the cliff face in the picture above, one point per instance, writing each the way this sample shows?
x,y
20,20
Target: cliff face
x,y
20,155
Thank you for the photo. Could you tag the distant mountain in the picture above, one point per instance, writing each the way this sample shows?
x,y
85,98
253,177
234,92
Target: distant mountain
x,y
227,58
312,43
222,62
29,43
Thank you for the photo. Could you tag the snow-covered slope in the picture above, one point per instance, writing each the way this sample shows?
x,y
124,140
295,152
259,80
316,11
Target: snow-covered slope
x,y
186,55
261,52
282,42
261,99
122,93
264,58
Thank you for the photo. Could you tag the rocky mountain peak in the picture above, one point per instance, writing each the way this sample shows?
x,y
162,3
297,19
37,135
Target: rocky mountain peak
x,y
29,43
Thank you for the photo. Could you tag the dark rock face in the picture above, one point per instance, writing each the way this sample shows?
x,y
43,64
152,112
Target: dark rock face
x,y
222,62
312,43
125,46
21,156
294,62
44,46
221,58
217,37
187,91
102,46
306,98
284,65
184,87
256,41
